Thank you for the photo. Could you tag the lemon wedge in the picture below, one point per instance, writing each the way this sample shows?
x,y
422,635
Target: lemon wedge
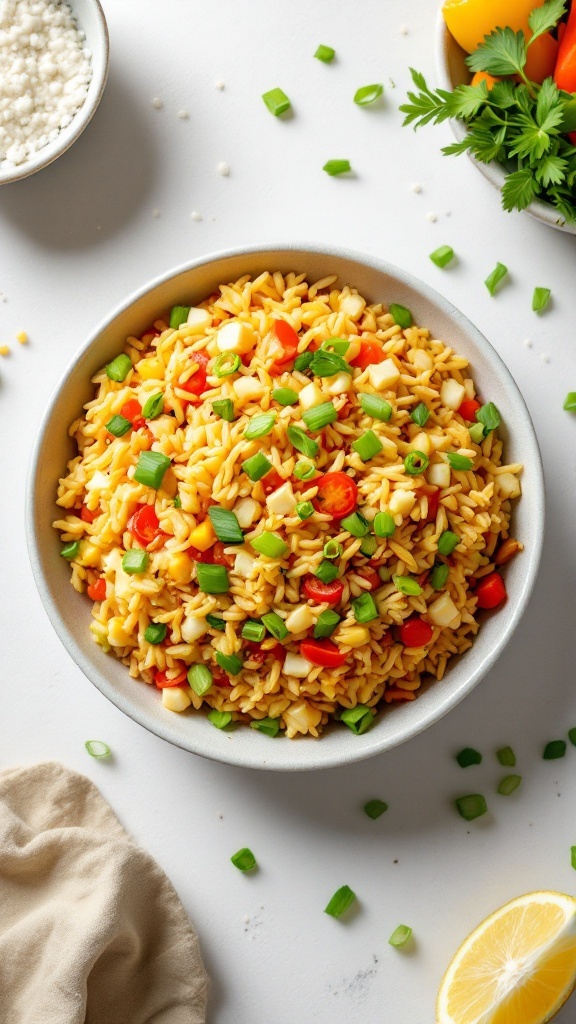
x,y
517,967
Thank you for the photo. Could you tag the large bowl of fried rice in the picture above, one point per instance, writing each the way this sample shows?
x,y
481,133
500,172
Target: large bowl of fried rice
x,y
286,507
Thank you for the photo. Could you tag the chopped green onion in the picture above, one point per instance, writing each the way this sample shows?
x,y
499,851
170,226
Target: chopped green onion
x,y
326,571
153,406
304,509
384,525
224,407
375,808
155,632
358,719
285,396
367,445
178,316
219,718
226,364
216,622
135,561
326,364
407,585
571,737
447,541
338,345
439,576
415,462
270,544
364,607
420,414
96,748
554,750
375,406
470,807
368,546
304,470
302,362
177,501
200,679
70,551
468,756
442,256
459,462
400,936
299,438
476,432
253,630
508,784
257,467
573,856
326,624
489,416
343,898
540,299
259,425
334,167
368,94
332,549
118,426
325,53
212,579
497,275
320,416
400,315
506,757
570,402
244,860
229,662
119,368
269,726
355,524
226,525
275,625
384,573
150,469
277,101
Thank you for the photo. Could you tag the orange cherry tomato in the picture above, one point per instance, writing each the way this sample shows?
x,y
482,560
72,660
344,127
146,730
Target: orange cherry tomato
x,y
541,60
491,591
144,525
97,591
370,352
337,495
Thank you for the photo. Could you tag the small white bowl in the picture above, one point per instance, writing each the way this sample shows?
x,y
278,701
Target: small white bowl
x,y
91,20
452,71
70,613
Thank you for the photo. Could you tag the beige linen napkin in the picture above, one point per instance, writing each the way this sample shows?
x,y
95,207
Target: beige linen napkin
x,y
91,929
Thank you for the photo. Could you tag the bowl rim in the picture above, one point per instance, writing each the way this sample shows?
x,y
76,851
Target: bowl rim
x,y
46,156
372,743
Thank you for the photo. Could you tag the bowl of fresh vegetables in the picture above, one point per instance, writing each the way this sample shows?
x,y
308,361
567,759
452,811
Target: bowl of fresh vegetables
x,y
507,83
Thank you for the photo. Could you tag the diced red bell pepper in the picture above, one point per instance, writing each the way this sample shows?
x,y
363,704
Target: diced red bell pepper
x,y
468,409
370,352
144,525
131,410
87,515
491,591
97,591
322,652
162,680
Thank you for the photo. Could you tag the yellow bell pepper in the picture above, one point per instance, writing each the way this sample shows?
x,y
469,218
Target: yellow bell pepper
x,y
470,20
203,536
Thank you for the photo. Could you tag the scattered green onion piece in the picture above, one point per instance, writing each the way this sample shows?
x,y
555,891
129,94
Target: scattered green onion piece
x,y
508,784
384,525
358,719
368,546
384,573
375,406
338,345
415,463
224,407
407,585
119,368
150,469
326,364
332,549
325,53
439,576
285,396
277,101
304,470
554,750
275,625
442,256
573,856
229,662
326,571
269,726
364,607
493,279
155,632
326,624
226,525
571,737
343,898
421,414
219,718
135,561
216,622
540,299
506,757
570,402
70,551
320,416
253,630
400,936
476,432
118,426
368,94
244,860
259,425
470,807
489,416
367,445
447,541
212,579
199,678
459,462
178,316
153,406
96,748
334,167
300,440
400,315
355,525
256,467
304,509
270,544
302,362
468,756
177,501
375,808
226,364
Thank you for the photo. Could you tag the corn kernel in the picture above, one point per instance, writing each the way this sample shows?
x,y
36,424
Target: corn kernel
x,y
354,636
151,368
4,350
22,337
203,536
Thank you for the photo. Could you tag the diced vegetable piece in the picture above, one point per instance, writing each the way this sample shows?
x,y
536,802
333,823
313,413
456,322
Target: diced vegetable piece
x,y
342,899
491,591
509,784
282,501
246,510
420,415
155,632
119,368
193,628
203,536
400,936
299,438
407,585
304,509
439,474
244,859
400,315
368,94
231,663
198,318
200,679
325,53
285,396
226,364
150,468
175,698
118,426
216,622
415,463
384,525
447,541
570,402
439,576
220,719
253,630
260,425
135,561
358,719
375,406
506,757
365,608
96,748
476,432
257,466
472,806
508,485
153,406
70,551
367,445
368,546
178,316
375,808
442,256
468,756
452,394
459,463
401,502
270,545
493,280
297,666
326,624
300,619
269,726
384,375
443,612
244,564
277,101
275,625
355,524
320,416
249,389
554,750
332,549
212,579
311,395
226,525
334,167
339,384
236,336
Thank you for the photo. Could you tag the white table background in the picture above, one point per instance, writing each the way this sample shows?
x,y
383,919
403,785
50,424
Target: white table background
x,y
78,237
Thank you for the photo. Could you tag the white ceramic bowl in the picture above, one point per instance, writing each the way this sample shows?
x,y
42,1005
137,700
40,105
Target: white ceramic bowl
x,y
452,71
91,20
70,613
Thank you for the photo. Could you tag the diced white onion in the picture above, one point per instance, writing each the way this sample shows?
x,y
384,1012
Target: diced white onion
x,y
383,375
508,485
442,612
296,665
300,619
244,564
401,502
339,384
246,511
235,336
439,474
311,396
175,698
199,318
247,388
282,501
192,629
452,394
353,306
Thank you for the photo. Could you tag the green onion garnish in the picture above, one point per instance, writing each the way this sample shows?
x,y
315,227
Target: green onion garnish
x,y
470,807
367,445
508,784
150,469
459,462
253,630
325,53
415,462
275,625
375,406
368,545
420,414
277,101
326,624
368,94
571,737
119,368
400,315
302,362
200,679
358,719
177,501
338,345
400,936
212,579
257,467
439,576
219,718
489,416
285,396
118,426
506,757
153,406
334,167
259,425
447,541
70,551
226,364
299,438
442,256
540,299
269,726
270,544
468,756
570,402
326,571
384,573
407,585
332,549
96,748
364,607
341,900
244,860
573,856
178,316
355,524
304,470
226,525
384,524
304,509
229,662
374,808
554,750
476,432
326,364
155,632
135,561
497,275
224,407
216,622
320,416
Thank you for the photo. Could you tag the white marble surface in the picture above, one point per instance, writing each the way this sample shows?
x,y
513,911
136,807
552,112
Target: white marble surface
x,y
115,211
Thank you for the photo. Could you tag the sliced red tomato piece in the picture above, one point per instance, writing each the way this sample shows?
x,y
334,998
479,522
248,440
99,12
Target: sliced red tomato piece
x,y
220,678
322,593
272,481
415,632
322,652
433,503
144,525
196,384
87,516
491,591
131,410
370,352
337,495
468,409
287,337
97,591
161,679
371,577
219,557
